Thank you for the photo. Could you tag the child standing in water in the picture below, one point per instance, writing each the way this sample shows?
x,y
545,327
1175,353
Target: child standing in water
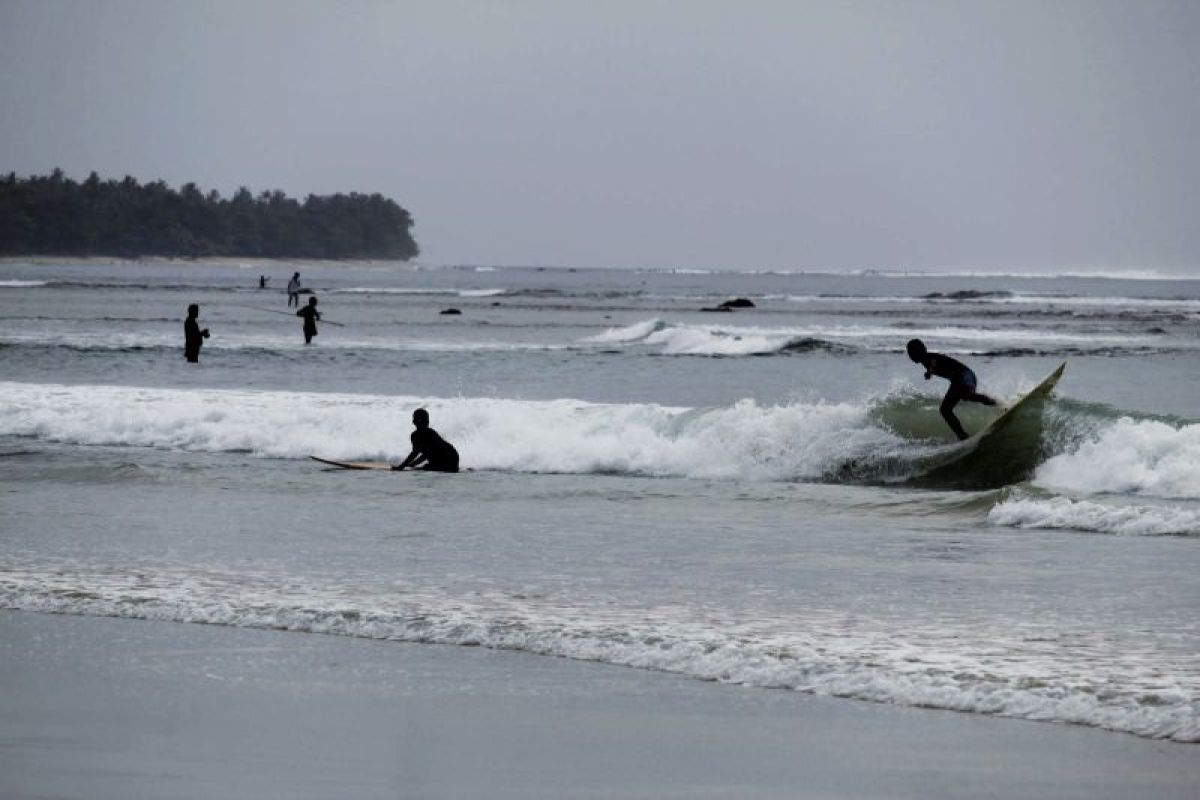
x,y
962,382
293,290
193,336
311,315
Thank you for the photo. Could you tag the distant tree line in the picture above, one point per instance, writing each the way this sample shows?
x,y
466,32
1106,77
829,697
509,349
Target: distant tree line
x,y
54,215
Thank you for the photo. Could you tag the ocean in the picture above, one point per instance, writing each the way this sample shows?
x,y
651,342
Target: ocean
x,y
766,497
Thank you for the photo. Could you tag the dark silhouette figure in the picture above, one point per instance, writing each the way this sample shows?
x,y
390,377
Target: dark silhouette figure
x,y
262,281
962,382
429,451
193,336
293,290
311,315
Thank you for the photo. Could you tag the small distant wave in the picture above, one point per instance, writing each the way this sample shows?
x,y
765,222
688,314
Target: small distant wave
x,y
1116,275
710,340
418,291
17,284
669,338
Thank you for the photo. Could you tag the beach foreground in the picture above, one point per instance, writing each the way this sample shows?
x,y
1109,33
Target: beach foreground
x,y
112,708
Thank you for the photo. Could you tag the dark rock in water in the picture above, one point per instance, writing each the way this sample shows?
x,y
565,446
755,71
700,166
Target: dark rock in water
x,y
730,305
451,311
966,294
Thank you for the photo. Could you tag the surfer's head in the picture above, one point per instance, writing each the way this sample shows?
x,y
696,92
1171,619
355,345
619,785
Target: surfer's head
x,y
193,310
916,350
312,301
421,418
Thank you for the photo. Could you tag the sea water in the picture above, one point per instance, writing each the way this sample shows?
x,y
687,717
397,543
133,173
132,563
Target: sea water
x,y
741,497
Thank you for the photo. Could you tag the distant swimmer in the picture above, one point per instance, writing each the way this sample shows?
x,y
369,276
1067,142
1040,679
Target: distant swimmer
x,y
962,382
293,290
311,315
429,451
193,336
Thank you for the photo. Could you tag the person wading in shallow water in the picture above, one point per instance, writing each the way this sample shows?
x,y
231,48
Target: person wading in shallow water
x,y
429,451
311,315
293,290
962,382
193,336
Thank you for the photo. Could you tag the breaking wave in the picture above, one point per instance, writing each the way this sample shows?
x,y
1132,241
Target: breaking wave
x,y
895,437
1129,456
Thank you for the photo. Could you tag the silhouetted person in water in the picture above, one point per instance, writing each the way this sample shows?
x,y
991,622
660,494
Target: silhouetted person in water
x,y
429,451
962,382
293,290
262,281
311,315
193,337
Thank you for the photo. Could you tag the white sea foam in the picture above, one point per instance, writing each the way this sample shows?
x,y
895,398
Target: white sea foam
x,y
16,284
1084,515
1076,676
1129,456
746,440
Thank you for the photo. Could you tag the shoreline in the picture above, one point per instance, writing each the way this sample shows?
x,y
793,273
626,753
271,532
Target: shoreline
x,y
203,261
107,708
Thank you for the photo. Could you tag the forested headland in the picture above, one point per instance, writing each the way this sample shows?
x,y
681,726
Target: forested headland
x,y
56,216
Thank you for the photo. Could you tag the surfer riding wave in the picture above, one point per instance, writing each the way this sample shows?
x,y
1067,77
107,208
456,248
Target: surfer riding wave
x,y
962,382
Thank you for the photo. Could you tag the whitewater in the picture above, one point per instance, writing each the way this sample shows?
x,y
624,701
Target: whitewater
x,y
767,497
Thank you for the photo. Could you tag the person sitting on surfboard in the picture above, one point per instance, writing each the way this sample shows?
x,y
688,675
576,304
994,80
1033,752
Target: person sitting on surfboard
x,y
428,448
962,382
311,315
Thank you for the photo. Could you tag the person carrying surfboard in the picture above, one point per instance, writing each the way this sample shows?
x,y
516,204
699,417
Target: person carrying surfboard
x,y
311,315
962,382
429,450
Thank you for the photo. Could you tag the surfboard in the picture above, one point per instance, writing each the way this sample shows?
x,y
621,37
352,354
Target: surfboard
x,y
1006,450
380,465
1033,395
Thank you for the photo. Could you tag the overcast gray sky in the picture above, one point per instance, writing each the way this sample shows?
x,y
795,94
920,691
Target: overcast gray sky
x,y
744,135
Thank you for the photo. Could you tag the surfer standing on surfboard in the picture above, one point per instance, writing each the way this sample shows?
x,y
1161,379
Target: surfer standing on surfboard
x,y
429,450
962,382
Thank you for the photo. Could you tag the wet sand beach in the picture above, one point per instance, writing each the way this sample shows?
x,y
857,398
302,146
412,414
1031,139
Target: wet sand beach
x,y
107,708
